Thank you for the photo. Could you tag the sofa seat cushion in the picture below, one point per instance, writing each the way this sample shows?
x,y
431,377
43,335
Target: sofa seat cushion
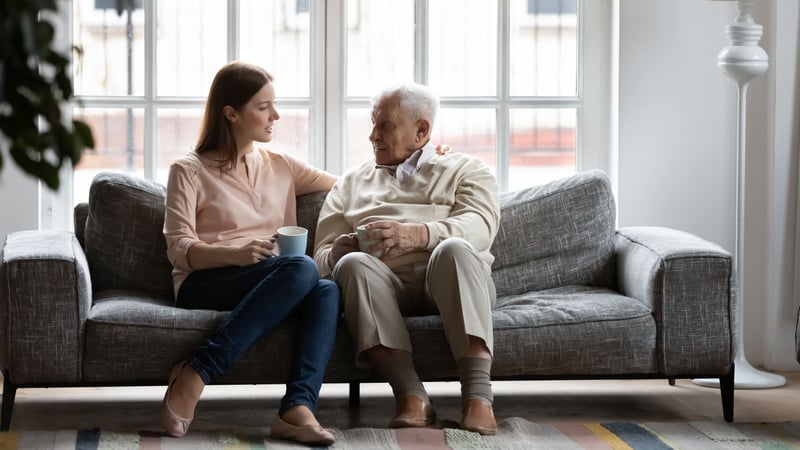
x,y
136,338
553,332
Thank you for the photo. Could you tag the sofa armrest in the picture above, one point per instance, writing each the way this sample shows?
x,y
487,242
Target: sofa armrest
x,y
45,296
689,285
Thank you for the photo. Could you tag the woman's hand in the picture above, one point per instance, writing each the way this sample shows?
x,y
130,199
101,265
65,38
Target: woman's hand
x,y
442,149
252,252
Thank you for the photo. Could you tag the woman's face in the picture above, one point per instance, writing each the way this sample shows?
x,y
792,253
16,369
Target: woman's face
x,y
254,120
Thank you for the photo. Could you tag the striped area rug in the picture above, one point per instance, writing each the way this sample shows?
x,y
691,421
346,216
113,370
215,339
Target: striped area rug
x,y
514,433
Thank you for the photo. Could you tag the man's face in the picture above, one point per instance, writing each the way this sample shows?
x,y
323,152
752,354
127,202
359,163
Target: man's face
x,y
395,136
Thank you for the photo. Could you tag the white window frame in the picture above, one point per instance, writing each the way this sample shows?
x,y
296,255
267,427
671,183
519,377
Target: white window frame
x,y
592,100
328,57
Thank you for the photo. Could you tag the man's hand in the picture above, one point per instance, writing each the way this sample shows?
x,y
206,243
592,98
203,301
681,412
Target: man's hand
x,y
342,245
397,238
442,149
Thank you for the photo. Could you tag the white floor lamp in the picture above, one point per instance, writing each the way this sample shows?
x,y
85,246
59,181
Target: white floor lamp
x,y
743,60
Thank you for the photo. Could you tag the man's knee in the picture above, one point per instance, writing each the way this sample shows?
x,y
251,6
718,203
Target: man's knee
x,y
350,265
454,248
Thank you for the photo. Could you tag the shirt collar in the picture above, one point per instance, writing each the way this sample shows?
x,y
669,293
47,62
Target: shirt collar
x,y
413,163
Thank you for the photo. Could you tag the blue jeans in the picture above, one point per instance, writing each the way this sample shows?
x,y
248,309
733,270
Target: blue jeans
x,y
260,297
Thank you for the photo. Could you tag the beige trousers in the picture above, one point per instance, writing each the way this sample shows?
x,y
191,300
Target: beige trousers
x,y
454,283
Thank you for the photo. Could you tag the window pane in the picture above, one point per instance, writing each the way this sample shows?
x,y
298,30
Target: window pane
x,y
542,146
176,135
191,45
178,130
551,6
463,47
472,131
380,44
111,56
359,126
291,133
544,47
119,140
275,35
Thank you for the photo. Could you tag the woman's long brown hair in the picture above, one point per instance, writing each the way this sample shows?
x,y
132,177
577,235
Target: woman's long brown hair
x,y
234,85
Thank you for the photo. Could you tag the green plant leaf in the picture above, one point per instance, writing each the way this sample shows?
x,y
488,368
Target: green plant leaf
x,y
35,96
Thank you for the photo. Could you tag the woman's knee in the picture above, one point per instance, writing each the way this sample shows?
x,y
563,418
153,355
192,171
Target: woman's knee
x,y
301,268
323,301
328,293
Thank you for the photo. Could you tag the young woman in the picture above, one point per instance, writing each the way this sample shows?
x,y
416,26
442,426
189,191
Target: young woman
x,y
225,202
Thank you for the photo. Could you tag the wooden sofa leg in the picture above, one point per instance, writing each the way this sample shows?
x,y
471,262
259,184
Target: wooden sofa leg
x,y
726,386
671,381
9,393
355,394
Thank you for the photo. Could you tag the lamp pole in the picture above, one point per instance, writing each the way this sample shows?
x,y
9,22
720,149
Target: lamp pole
x,y
743,61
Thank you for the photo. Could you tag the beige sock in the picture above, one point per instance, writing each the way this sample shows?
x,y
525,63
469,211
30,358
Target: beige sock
x,y
475,378
398,369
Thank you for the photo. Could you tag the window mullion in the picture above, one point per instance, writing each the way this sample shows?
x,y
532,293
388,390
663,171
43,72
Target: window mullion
x,y
595,109
421,40
232,30
316,147
150,88
503,114
335,69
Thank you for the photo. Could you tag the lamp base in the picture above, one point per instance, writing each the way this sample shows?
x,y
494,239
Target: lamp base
x,y
746,377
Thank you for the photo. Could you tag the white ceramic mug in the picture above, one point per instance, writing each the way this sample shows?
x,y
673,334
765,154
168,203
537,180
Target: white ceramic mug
x,y
292,240
364,244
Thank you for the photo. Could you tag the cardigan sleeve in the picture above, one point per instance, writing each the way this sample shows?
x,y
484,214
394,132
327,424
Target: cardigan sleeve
x,y
331,224
475,213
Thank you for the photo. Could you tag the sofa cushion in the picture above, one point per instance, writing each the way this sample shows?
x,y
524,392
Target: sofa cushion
x,y
308,207
124,239
579,330
134,338
557,234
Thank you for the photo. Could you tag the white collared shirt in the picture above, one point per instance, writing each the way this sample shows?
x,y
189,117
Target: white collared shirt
x,y
412,164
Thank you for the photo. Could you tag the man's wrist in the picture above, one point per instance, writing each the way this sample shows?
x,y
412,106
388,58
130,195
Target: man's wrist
x,y
329,259
422,235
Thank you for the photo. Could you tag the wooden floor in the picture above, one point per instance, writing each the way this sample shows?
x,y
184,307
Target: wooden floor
x,y
541,401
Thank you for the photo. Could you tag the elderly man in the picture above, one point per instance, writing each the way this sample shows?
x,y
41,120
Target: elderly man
x,y
432,218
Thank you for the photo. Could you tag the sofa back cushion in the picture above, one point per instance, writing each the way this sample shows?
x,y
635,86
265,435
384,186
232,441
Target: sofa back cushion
x,y
308,208
557,234
121,230
124,239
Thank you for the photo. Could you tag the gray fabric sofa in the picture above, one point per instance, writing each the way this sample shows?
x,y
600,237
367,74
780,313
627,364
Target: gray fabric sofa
x,y
577,298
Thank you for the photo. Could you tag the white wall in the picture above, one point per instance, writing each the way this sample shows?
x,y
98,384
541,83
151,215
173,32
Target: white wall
x,y
677,148
19,200
781,181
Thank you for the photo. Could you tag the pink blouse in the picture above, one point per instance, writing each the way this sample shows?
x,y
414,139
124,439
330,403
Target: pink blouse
x,y
222,209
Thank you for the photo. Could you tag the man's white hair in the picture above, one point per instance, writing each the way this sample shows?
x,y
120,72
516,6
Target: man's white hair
x,y
417,99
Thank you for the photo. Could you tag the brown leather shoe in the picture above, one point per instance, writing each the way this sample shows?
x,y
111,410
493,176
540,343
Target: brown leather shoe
x,y
477,415
412,411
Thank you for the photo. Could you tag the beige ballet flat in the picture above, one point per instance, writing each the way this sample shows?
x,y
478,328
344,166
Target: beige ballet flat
x,y
174,424
309,434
